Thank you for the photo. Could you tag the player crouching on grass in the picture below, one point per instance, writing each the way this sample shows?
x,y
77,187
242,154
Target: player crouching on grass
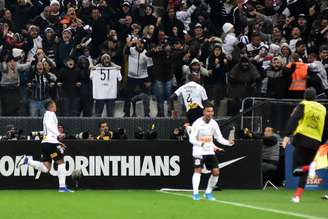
x,y
201,137
52,149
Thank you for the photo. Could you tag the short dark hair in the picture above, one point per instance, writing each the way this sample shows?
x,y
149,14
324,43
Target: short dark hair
x,y
300,42
255,34
101,122
310,93
48,103
208,105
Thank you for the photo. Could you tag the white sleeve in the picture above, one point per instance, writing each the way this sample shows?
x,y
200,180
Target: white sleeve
x,y
119,76
51,124
191,10
92,73
178,91
204,95
183,15
218,135
193,135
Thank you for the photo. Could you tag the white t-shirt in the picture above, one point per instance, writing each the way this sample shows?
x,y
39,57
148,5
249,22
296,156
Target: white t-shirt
x,y
202,132
192,92
104,82
50,128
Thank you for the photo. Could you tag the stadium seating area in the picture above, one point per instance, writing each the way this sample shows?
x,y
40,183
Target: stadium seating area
x,y
240,48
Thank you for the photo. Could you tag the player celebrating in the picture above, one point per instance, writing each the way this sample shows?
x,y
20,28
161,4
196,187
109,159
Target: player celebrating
x,y
308,124
193,95
201,136
52,149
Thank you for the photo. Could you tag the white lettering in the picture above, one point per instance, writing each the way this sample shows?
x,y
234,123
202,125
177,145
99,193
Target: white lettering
x,y
115,160
7,166
91,165
147,167
162,165
137,165
127,165
82,163
102,166
174,163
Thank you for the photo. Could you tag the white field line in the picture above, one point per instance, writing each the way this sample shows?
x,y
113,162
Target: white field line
x,y
289,213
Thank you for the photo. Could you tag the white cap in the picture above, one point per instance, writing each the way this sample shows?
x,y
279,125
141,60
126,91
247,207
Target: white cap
x,y
194,61
49,29
104,55
67,30
227,27
54,2
32,27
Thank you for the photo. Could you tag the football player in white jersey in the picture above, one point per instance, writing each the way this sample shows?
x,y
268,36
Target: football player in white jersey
x,y
194,96
52,149
203,130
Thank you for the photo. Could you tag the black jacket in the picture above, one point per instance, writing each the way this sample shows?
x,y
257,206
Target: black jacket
x,y
69,78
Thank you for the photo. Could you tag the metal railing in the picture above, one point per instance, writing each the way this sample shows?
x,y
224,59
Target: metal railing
x,y
257,119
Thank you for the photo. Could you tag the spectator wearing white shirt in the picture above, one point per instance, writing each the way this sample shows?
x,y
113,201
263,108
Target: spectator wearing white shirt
x,y
230,39
105,77
138,83
184,14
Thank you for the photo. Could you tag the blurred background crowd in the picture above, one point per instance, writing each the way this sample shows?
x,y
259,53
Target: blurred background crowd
x,y
240,48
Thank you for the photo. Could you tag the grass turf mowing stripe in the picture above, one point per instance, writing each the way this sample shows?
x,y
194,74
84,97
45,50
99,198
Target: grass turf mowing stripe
x,y
242,205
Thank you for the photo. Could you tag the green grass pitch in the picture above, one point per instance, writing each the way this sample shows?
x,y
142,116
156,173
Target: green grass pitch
x,y
131,204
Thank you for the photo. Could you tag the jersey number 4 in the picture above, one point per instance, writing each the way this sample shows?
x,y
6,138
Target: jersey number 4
x,y
104,74
189,99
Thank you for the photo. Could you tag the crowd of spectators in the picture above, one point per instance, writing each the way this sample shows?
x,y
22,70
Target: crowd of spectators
x,y
240,48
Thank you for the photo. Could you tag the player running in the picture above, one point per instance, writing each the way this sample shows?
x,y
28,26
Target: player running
x,y
308,124
194,95
203,151
52,149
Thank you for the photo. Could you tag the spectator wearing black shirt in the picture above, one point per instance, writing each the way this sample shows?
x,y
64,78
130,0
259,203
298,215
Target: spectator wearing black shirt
x,y
99,31
86,88
69,79
65,47
22,12
44,20
163,57
7,17
148,18
215,84
171,25
300,49
243,81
